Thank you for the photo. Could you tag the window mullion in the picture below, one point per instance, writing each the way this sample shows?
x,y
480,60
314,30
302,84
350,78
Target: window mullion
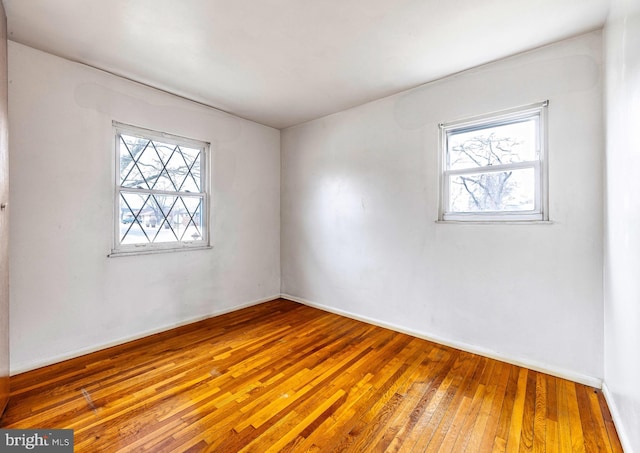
x,y
170,193
492,168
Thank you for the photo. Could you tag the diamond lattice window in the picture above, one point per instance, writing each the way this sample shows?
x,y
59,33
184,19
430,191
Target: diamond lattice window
x,y
160,191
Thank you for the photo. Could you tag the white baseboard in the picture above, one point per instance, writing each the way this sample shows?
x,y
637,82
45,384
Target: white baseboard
x,y
617,419
525,363
541,367
21,368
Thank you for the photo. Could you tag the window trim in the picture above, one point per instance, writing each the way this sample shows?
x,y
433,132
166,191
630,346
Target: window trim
x,y
540,213
119,249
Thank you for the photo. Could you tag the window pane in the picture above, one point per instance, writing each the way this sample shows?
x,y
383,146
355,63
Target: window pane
x,y
159,175
508,191
137,218
495,145
152,218
190,219
130,150
184,169
147,164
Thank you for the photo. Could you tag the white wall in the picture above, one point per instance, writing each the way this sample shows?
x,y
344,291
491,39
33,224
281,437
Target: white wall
x,y
359,204
66,295
622,220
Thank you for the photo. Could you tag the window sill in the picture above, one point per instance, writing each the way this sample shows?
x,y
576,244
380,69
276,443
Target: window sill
x,y
495,222
121,253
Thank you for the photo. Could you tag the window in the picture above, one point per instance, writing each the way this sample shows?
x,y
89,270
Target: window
x,y
161,200
495,167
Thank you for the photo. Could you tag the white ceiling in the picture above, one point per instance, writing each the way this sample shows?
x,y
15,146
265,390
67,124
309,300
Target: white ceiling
x,y
283,62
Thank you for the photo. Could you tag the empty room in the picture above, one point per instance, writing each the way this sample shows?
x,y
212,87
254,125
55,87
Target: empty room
x,y
300,226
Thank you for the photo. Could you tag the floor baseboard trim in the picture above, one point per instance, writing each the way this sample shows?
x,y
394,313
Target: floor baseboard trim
x,y
530,364
617,420
29,366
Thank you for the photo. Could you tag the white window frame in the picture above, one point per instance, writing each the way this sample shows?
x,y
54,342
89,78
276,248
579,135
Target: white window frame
x,y
540,212
120,249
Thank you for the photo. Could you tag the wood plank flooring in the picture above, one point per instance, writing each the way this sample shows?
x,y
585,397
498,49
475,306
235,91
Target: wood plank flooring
x,y
289,378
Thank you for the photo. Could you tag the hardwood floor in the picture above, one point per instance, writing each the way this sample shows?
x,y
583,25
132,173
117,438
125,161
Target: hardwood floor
x,y
285,377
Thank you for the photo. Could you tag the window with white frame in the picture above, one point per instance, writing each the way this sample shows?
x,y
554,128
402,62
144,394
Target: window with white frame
x,y
494,167
161,199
